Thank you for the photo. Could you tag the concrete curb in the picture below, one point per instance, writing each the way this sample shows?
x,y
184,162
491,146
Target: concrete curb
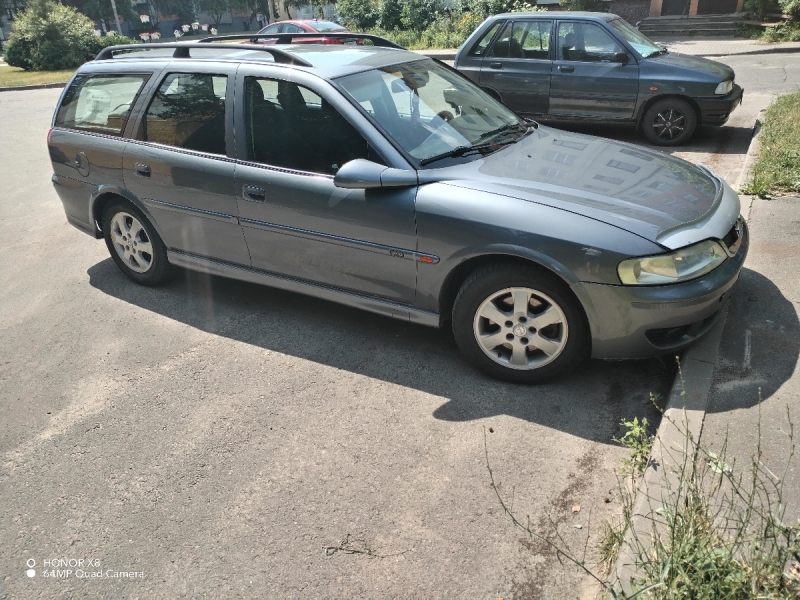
x,y
764,51
42,86
684,414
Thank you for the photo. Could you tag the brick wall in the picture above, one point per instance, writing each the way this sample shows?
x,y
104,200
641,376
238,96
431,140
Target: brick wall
x,y
631,10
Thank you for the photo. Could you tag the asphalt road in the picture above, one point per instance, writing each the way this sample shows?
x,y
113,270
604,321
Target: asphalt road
x,y
214,437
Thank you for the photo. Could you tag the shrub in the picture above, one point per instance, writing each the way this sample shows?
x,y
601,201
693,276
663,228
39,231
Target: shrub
x,y
358,14
50,37
791,8
759,9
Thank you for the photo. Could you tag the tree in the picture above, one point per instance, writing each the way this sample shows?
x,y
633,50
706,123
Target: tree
x,y
389,14
215,8
317,6
100,10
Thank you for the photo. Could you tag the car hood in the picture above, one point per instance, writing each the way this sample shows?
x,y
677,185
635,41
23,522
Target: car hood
x,y
656,196
695,63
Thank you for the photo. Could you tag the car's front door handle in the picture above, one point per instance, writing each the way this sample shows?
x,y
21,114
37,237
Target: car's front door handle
x,y
254,193
566,69
142,170
495,65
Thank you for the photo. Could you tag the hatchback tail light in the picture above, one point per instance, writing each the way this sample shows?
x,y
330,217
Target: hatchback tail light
x,y
49,133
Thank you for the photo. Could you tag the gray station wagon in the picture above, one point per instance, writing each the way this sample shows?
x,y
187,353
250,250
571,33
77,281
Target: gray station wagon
x,y
596,67
370,176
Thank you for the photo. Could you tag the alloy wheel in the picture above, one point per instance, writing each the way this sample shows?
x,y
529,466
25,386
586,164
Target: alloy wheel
x,y
131,242
521,328
669,124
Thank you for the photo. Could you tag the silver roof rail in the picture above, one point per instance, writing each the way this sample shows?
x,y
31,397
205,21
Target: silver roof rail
x,y
182,50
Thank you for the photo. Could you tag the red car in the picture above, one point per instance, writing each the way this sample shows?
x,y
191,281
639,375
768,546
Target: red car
x,y
307,26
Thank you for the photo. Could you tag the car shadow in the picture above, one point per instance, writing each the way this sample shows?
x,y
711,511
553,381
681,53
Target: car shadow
x,y
760,346
588,403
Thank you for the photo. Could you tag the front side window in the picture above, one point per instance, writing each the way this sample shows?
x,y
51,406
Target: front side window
x,y
188,111
586,42
100,104
635,38
290,126
430,111
272,28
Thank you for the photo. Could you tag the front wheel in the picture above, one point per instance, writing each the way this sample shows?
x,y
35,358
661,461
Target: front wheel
x,y
519,324
669,122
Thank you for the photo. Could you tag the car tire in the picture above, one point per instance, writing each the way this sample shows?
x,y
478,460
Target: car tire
x,y
510,346
134,244
669,122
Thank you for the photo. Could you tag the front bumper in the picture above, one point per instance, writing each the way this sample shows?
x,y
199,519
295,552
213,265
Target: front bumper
x,y
715,111
644,321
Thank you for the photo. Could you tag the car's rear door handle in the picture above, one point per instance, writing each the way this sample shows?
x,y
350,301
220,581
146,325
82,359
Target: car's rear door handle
x,y
495,65
566,69
254,193
142,170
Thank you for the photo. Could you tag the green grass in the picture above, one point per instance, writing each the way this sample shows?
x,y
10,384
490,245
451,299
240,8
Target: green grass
x,y
777,166
14,76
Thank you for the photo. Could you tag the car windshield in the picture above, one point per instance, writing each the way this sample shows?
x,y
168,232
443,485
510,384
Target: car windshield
x,y
327,26
640,43
431,111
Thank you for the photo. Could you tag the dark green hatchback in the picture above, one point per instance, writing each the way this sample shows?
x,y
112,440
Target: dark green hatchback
x,y
577,66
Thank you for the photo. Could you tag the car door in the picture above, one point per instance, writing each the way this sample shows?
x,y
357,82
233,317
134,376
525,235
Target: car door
x,y
585,81
293,138
518,65
179,167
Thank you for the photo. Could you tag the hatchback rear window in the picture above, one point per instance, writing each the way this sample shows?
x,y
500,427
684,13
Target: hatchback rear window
x,y
100,103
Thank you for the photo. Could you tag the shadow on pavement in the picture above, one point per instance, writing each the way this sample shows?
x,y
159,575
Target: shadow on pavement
x,y
588,403
760,346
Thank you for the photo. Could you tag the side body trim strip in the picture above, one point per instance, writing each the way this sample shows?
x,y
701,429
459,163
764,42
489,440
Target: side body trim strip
x,y
188,210
343,241
243,273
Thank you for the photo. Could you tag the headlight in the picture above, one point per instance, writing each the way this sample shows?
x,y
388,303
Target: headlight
x,y
681,265
724,88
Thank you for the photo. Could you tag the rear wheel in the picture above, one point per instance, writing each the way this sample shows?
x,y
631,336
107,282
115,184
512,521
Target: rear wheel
x,y
134,244
669,122
519,324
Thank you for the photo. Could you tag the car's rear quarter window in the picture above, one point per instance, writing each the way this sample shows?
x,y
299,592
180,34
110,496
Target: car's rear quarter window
x,y
99,103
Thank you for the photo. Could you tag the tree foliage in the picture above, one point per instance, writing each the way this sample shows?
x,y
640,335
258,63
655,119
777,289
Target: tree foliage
x,y
358,14
50,37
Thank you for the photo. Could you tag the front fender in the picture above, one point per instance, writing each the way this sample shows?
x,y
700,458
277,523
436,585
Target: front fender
x,y
458,225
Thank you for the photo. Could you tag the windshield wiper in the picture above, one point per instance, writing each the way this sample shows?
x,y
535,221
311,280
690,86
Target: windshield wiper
x,y
505,128
463,151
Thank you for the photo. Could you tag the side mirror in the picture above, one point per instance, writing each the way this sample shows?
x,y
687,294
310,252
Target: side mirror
x,y
361,174
621,58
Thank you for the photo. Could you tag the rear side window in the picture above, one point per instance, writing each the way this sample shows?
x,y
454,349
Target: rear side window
x,y
479,49
100,103
188,111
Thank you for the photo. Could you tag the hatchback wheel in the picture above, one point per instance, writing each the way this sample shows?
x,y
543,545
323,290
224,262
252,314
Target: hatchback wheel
x,y
134,244
669,122
519,324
